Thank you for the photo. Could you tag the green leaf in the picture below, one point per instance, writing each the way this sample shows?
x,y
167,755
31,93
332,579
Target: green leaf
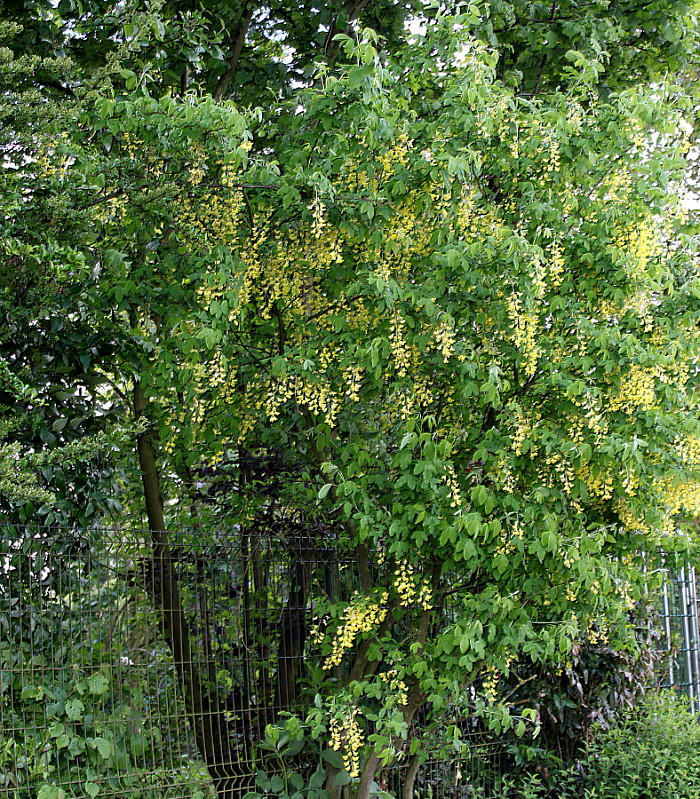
x,y
358,75
98,684
50,792
75,709
103,747
129,78
76,746
332,757
279,366
296,780
318,778
30,692
262,781
341,778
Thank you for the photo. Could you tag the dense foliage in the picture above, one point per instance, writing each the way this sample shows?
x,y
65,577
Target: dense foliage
x,y
651,751
434,300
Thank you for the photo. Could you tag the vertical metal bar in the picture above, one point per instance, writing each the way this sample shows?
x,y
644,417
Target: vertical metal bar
x,y
692,611
685,633
666,611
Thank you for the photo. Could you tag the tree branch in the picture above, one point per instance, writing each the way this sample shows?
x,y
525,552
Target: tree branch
x,y
351,11
238,42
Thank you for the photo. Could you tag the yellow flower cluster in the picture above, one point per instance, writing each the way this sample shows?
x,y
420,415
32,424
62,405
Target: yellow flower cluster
x,y
192,413
473,225
253,263
399,349
356,177
517,532
504,546
597,631
424,394
488,684
444,340
361,616
571,557
327,355
617,185
640,243
317,630
625,591
395,157
508,542
318,224
689,451
522,427
450,480
395,684
212,218
282,269
278,393
641,303
495,120
630,482
556,471
383,270
403,404
555,266
636,391
599,482
554,160
197,168
503,475
352,377
347,737
677,373
628,520
524,334
538,269
407,237
407,587
317,396
680,495
465,209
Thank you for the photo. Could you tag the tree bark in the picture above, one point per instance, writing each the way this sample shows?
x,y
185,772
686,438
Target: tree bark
x,y
410,778
351,11
206,718
237,47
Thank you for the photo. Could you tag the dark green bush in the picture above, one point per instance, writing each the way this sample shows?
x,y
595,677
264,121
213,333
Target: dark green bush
x,y
653,753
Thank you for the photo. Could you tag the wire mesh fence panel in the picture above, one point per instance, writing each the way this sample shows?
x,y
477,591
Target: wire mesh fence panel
x,y
477,775
90,700
680,634
150,666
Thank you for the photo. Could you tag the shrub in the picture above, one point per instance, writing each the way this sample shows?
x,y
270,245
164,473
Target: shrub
x,y
653,752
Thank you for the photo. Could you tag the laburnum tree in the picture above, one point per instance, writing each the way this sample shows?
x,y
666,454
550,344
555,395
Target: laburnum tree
x,y
450,290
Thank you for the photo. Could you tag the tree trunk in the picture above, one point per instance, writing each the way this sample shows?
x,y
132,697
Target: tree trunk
x,y
291,638
209,725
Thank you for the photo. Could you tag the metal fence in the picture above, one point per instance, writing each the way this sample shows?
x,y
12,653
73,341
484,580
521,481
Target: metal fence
x,y
681,635
132,667
150,668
